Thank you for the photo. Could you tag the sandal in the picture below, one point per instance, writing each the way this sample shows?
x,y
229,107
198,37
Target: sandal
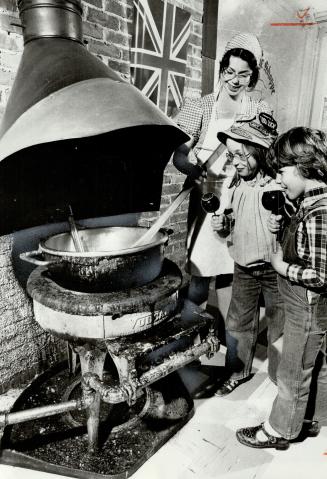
x,y
248,437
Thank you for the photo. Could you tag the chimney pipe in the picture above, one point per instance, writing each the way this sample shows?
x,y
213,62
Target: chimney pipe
x,y
51,19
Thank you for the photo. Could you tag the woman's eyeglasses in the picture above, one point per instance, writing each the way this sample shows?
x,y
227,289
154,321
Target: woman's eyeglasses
x,y
242,77
239,156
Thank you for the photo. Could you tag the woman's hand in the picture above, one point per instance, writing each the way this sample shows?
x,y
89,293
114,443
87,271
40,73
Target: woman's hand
x,y
186,162
278,262
218,222
203,174
275,223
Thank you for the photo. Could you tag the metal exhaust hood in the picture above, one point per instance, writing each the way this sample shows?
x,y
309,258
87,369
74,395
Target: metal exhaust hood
x,y
73,131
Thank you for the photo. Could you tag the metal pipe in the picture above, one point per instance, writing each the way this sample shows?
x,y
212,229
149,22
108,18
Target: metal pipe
x,y
51,19
113,394
129,391
176,361
44,411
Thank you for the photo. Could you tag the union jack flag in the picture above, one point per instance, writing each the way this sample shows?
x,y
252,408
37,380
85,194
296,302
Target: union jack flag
x,y
159,49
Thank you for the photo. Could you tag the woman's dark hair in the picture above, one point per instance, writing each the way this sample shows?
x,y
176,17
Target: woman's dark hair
x,y
247,57
303,147
259,153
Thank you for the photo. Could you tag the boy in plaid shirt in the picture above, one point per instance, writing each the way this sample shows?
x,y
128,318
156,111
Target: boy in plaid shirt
x,y
300,158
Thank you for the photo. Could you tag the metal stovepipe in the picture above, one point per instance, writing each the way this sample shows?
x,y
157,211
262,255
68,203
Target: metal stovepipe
x,y
51,19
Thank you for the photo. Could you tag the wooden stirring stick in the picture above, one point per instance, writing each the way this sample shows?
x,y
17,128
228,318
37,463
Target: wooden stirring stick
x,y
147,237
74,232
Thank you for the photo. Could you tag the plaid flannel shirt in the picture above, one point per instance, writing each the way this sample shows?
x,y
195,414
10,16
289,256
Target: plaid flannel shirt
x,y
311,243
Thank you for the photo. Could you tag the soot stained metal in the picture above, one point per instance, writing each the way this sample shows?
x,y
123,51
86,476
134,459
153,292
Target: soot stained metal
x,y
75,134
73,129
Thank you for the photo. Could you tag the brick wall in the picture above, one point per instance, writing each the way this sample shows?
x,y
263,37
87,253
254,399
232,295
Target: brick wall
x,y
107,25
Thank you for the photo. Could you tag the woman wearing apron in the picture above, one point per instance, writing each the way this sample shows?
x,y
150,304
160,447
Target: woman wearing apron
x,y
207,254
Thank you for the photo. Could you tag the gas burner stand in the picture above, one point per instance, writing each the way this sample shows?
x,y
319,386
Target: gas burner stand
x,y
127,399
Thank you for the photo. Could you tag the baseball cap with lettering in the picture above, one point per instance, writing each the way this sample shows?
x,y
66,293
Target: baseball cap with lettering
x,y
260,130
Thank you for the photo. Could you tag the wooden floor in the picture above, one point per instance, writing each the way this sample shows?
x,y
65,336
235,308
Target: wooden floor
x,y
207,448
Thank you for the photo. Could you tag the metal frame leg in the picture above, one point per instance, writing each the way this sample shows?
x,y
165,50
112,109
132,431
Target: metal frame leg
x,y
92,360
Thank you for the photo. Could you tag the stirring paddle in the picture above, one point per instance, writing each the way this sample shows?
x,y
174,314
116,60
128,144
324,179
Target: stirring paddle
x,y
146,238
74,232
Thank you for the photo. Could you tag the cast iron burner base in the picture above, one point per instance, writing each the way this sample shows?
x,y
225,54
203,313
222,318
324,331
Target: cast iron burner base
x,y
128,435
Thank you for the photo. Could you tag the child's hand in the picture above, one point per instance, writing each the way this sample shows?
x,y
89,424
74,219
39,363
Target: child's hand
x,y
275,223
277,261
218,222
277,257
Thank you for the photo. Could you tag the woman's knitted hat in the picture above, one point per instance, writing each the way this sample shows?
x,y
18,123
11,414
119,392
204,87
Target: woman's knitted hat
x,y
246,41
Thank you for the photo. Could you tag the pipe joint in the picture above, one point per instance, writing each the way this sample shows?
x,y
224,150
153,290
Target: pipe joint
x,y
213,343
129,391
109,394
51,19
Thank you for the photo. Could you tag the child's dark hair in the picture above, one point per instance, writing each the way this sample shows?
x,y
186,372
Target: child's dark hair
x,y
303,147
259,153
244,55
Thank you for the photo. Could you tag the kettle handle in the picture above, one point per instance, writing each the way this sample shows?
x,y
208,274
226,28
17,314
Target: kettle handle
x,y
31,257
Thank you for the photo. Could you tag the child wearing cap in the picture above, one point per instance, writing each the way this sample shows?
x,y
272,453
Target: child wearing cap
x,y
300,158
250,245
202,118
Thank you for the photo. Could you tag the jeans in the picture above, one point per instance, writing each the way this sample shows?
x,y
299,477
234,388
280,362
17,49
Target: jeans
x,y
242,321
302,374
198,292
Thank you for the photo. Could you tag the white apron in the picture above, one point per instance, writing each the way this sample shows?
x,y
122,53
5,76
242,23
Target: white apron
x,y
207,251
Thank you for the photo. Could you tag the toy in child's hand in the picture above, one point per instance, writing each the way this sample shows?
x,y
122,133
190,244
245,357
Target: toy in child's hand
x,y
274,201
210,203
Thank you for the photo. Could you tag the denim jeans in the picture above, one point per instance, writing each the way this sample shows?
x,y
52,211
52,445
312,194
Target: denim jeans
x,y
242,321
302,374
198,292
